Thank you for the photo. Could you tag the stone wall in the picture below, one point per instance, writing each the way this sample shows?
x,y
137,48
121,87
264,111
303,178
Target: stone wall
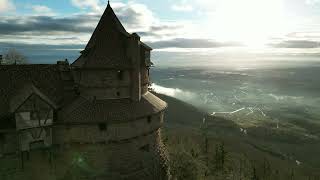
x,y
104,84
137,159
104,132
104,78
106,93
128,150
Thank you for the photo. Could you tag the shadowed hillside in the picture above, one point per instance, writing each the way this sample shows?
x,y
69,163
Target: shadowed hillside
x,y
253,149
181,113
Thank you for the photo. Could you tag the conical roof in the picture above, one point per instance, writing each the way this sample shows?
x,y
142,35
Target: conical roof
x,y
107,45
109,20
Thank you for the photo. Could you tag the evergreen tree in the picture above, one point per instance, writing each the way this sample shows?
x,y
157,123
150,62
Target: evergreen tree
x,y
223,155
254,174
266,169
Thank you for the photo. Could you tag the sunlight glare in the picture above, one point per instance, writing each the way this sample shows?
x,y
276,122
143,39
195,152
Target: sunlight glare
x,y
251,22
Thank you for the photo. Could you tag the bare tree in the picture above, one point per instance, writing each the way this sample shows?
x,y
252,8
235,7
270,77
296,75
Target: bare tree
x,y
13,56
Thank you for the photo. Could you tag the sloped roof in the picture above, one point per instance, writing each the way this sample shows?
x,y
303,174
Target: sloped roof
x,y
106,47
45,79
111,111
109,20
24,93
145,46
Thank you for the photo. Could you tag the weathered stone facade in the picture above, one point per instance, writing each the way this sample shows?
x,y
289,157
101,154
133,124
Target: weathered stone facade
x,y
94,118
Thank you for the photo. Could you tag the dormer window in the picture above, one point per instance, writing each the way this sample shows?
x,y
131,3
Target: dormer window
x,y
120,75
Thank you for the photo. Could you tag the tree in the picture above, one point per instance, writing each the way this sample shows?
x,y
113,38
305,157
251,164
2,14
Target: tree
x,y
254,174
220,156
223,154
13,56
266,169
186,165
204,130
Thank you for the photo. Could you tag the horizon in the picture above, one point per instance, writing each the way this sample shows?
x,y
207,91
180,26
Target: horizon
x,y
231,90
175,29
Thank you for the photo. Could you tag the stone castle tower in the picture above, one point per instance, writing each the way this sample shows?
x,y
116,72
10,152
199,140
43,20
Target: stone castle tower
x,y
95,118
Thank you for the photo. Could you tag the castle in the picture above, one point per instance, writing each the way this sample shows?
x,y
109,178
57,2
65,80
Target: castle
x,y
93,119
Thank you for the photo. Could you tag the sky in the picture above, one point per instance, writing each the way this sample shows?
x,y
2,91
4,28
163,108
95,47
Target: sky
x,y
183,27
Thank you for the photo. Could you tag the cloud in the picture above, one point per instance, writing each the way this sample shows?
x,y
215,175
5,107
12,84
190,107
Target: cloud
x,y
207,5
134,16
183,6
312,2
173,92
46,24
297,44
94,5
40,9
40,46
314,35
191,43
162,30
6,5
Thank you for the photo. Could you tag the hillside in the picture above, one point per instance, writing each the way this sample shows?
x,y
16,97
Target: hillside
x,y
180,113
258,146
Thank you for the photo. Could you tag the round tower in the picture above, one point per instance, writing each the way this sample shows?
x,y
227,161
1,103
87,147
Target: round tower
x,y
112,129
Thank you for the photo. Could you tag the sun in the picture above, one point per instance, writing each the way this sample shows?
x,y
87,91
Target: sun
x,y
251,22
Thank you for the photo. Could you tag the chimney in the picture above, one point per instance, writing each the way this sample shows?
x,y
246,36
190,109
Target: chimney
x,y
64,68
134,54
63,65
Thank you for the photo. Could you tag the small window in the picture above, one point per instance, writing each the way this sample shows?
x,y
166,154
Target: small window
x,y
2,137
145,148
149,119
102,126
55,116
34,116
76,90
120,75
